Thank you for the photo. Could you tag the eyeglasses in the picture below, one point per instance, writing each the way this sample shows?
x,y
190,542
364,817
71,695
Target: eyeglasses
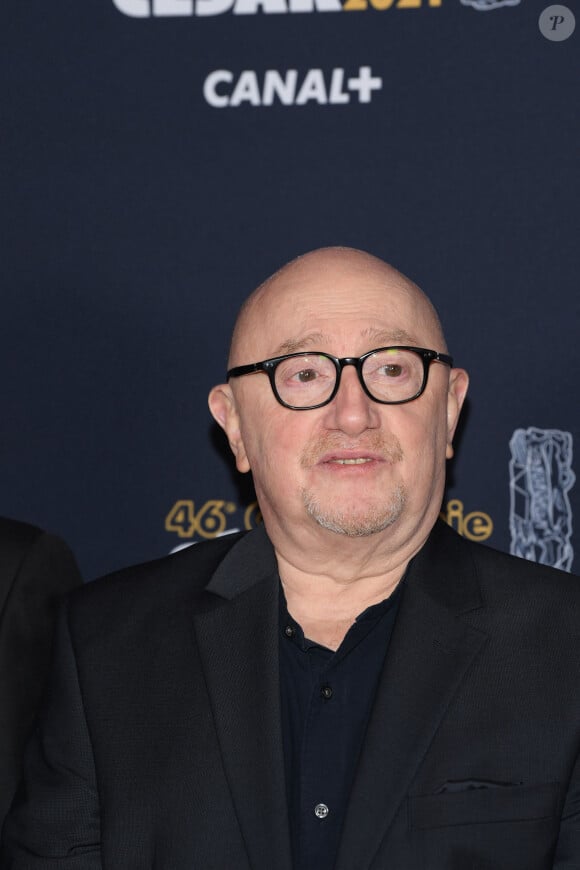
x,y
307,380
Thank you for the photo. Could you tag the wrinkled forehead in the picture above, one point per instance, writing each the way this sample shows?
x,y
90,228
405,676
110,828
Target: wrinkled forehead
x,y
354,309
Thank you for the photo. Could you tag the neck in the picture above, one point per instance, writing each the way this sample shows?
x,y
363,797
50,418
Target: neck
x,y
326,606
329,579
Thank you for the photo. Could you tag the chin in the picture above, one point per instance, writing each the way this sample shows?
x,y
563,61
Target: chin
x,y
354,521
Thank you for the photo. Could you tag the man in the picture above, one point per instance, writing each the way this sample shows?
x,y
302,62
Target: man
x,y
350,687
35,568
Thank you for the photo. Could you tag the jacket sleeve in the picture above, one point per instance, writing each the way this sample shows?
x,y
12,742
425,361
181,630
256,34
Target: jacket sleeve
x,y
54,822
44,570
568,850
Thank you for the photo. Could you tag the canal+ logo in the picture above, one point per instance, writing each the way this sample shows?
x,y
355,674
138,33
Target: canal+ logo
x,y
204,8
222,89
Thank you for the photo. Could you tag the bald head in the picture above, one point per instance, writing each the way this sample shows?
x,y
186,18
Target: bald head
x,y
325,278
354,464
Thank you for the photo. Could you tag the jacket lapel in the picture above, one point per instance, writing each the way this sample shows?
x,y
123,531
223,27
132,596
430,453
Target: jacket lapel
x,y
237,634
431,649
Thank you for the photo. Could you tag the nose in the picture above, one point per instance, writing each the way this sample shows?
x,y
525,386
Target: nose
x,y
351,411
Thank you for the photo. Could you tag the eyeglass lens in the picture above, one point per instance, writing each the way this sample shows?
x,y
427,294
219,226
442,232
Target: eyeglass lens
x,y
390,375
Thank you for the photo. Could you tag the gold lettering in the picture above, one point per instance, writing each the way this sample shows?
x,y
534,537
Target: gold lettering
x,y
454,514
252,516
211,519
355,5
475,526
181,519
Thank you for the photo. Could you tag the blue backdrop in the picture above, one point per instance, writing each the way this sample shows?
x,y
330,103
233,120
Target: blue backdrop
x,y
161,157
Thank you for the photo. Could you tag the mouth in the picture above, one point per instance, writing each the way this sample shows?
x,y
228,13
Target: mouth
x,y
353,459
361,460
369,456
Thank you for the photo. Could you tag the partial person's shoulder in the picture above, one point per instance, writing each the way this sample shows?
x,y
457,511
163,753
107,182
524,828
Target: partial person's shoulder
x,y
34,559
17,535
19,538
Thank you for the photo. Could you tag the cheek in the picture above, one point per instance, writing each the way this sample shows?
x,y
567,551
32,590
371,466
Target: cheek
x,y
274,440
423,435
256,419
276,469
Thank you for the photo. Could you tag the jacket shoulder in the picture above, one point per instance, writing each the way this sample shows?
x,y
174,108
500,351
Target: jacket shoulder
x,y
510,584
152,583
144,603
496,563
522,570
463,573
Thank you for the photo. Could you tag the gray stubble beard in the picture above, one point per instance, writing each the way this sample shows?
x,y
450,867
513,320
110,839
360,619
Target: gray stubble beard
x,y
342,523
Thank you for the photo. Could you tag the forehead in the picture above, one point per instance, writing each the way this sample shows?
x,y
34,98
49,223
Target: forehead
x,y
345,310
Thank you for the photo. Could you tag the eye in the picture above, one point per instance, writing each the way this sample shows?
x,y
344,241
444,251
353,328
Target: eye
x,y
391,370
306,376
390,366
303,370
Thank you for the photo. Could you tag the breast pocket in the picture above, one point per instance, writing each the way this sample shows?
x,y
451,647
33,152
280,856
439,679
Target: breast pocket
x,y
505,828
484,806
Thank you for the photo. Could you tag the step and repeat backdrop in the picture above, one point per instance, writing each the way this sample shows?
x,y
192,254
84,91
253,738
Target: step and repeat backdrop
x,y
161,157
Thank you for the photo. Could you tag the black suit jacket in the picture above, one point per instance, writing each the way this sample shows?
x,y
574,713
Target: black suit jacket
x,y
34,569
161,744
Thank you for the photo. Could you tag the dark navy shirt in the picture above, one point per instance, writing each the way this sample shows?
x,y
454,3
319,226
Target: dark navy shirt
x,y
326,703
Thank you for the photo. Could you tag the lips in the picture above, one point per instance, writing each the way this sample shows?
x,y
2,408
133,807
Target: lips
x,y
359,461
349,457
333,451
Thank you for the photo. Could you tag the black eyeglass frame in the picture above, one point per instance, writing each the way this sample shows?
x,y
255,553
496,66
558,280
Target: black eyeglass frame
x,y
269,366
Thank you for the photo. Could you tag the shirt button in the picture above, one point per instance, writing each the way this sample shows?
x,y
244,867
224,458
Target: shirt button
x,y
321,811
289,631
326,693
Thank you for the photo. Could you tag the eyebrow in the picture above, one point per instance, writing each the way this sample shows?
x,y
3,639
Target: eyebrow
x,y
388,336
295,344
382,336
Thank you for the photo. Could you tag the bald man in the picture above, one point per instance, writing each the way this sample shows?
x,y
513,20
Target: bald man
x,y
351,686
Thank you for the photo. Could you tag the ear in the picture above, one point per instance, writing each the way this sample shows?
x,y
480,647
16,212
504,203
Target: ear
x,y
222,405
457,390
